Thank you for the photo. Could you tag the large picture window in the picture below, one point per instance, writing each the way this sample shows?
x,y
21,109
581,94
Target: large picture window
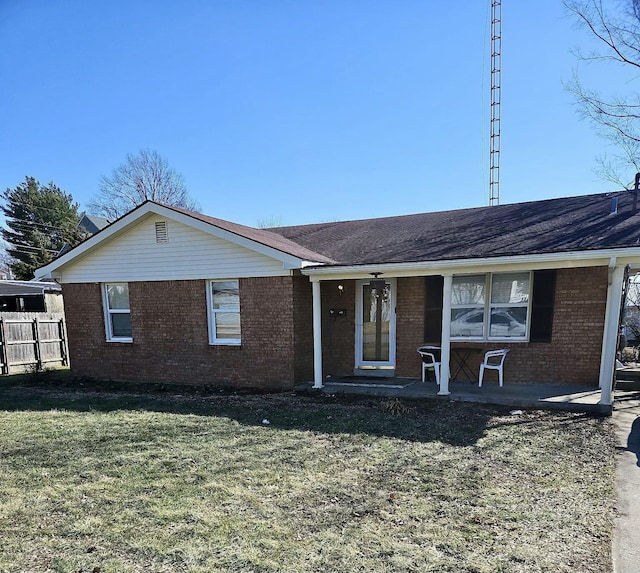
x,y
491,307
224,312
117,312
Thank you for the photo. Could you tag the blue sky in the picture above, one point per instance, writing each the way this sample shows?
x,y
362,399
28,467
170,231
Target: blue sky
x,y
306,111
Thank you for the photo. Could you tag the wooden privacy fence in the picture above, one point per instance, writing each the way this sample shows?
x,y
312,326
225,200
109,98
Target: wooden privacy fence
x,y
32,341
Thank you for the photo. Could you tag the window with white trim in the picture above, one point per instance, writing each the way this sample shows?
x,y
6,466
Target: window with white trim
x,y
117,312
495,306
468,306
223,297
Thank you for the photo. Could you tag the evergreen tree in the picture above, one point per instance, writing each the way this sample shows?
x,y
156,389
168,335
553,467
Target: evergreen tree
x,y
40,220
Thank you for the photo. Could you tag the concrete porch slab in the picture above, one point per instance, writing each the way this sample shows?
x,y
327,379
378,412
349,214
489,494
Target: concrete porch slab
x,y
542,396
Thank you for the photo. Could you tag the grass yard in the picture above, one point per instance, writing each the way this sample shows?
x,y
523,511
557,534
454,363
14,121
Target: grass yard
x,y
131,482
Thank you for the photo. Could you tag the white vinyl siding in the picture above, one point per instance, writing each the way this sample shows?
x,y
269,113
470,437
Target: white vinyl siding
x,y
223,302
189,254
117,312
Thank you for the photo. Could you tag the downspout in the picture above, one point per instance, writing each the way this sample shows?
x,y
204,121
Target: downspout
x,y
610,334
317,335
445,343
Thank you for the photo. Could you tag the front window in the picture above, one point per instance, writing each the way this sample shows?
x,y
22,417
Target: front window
x,y
117,312
224,312
509,305
468,306
490,307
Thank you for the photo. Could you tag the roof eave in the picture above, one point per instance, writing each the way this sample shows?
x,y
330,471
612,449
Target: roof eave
x,y
572,259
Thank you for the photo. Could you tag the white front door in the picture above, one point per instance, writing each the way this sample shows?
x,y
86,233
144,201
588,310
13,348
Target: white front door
x,y
376,328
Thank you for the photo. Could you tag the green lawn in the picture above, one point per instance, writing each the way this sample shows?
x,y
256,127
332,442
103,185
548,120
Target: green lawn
x,y
132,482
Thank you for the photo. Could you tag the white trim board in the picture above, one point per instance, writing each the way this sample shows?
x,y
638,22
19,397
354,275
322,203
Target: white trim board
x,y
577,259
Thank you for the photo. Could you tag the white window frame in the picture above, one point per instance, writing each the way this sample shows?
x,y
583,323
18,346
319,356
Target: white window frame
x,y
472,306
488,305
213,312
108,312
525,305
360,363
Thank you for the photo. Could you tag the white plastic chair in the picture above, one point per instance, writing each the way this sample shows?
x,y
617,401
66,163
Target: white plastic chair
x,y
429,361
493,360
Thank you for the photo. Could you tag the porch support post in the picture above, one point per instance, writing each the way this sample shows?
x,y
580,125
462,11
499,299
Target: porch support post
x,y
610,334
445,344
317,335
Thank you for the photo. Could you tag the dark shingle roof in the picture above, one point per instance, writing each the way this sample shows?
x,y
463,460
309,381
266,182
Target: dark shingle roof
x,y
551,226
262,236
22,288
92,224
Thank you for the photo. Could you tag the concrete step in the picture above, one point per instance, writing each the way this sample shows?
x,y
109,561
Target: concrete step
x,y
628,385
628,373
628,379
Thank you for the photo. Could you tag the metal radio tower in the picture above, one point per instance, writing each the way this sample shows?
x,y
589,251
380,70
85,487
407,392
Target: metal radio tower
x,y
496,80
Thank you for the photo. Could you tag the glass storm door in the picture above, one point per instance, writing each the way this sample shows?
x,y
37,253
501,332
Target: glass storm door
x,y
375,326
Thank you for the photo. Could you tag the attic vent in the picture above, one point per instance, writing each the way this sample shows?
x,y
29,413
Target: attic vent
x,y
162,235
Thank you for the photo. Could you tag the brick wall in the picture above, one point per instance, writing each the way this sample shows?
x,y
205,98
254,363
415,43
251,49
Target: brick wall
x,y
268,334
169,322
338,333
410,308
170,337
572,356
303,327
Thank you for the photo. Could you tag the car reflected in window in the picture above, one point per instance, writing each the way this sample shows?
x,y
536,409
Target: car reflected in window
x,y
504,323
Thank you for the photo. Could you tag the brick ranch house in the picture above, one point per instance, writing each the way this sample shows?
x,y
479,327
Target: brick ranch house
x,y
164,294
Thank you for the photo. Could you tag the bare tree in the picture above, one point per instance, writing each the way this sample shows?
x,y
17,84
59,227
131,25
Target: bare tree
x,y
269,222
616,27
143,176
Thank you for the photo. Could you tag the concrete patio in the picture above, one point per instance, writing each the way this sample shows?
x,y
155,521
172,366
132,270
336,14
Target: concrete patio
x,y
545,396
